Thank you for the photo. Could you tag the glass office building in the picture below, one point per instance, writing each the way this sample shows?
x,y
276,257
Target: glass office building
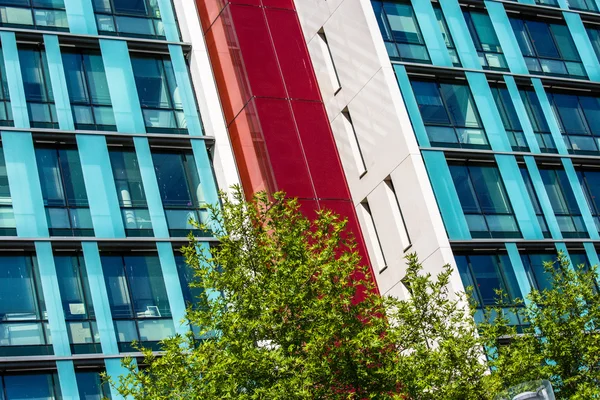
x,y
104,160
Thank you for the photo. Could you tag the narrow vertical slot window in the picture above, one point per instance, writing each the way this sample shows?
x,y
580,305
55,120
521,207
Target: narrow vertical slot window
x,y
377,255
357,155
329,64
399,221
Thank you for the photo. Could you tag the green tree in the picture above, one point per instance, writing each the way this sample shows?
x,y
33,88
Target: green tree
x,y
560,342
299,318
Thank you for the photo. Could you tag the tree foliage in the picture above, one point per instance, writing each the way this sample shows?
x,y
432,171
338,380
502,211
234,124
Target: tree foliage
x,y
290,312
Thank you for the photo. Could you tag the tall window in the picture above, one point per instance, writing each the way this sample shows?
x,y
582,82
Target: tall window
x,y
138,299
159,94
63,189
88,91
40,14
400,31
548,48
141,18
583,5
563,203
449,113
33,386
77,304
485,40
590,183
510,119
534,267
484,201
23,318
578,118
447,37
8,224
535,201
536,116
180,190
91,386
130,190
38,90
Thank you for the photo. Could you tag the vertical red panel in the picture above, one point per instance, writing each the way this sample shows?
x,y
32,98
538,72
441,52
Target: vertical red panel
x,y
257,50
293,55
284,148
285,4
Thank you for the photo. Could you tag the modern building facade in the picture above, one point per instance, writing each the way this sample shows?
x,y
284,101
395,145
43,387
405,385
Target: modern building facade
x,y
112,138
467,130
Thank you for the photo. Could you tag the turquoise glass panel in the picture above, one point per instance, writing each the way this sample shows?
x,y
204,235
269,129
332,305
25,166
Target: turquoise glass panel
x,y
517,192
67,379
205,172
100,186
93,265
58,82
507,38
14,79
519,269
115,369
460,34
153,199
488,111
583,44
412,107
522,114
80,15
445,193
172,284
543,198
549,116
433,37
24,182
168,19
121,84
580,198
186,93
54,308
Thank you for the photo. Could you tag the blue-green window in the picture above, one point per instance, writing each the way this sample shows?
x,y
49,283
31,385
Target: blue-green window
x,y
400,30
536,202
594,35
548,48
578,118
159,95
551,3
450,115
510,119
485,40
77,303
534,267
91,386
484,201
180,190
138,299
88,91
485,274
186,277
23,318
38,90
583,5
40,14
563,203
6,117
63,190
30,387
590,183
130,191
8,224
137,18
539,124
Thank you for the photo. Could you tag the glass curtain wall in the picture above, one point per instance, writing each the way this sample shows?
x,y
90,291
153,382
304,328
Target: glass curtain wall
x,y
37,14
510,120
38,90
485,40
138,299
91,386
136,18
30,387
88,91
539,124
8,224
63,190
130,191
